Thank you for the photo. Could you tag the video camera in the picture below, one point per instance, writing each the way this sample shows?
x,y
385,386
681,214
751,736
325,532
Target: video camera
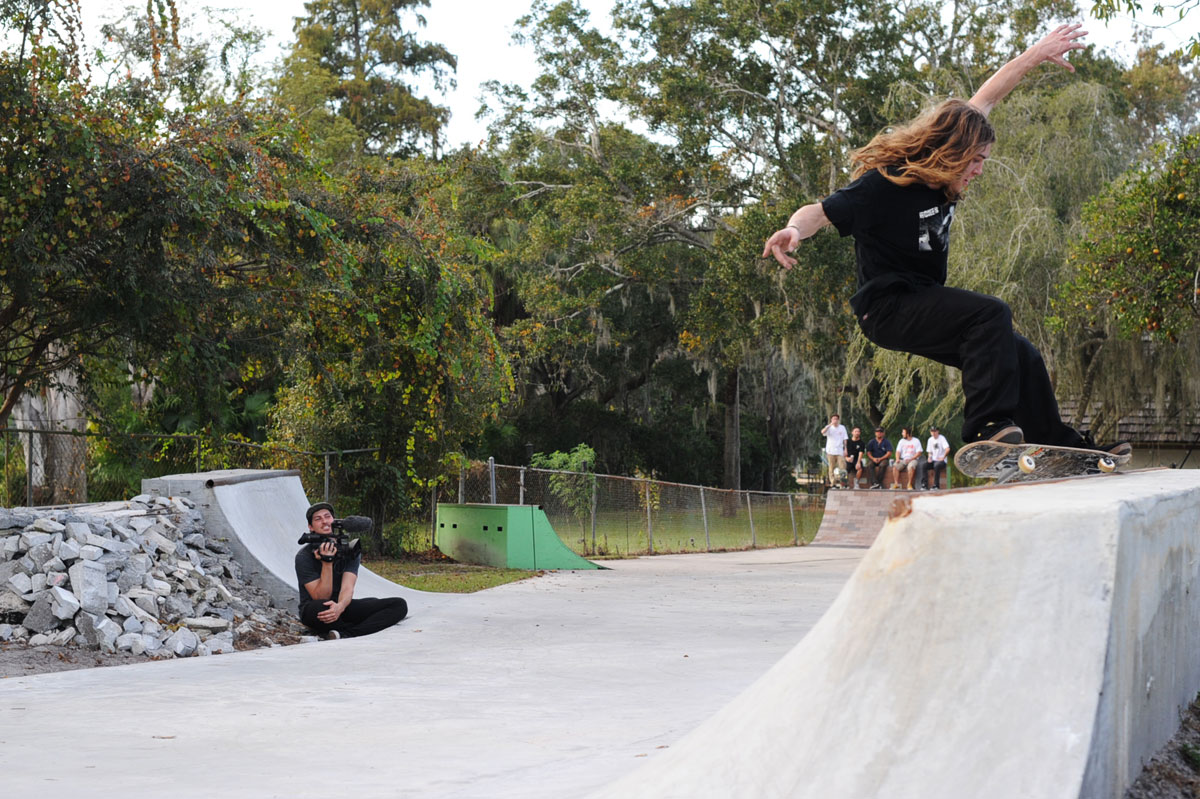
x,y
342,530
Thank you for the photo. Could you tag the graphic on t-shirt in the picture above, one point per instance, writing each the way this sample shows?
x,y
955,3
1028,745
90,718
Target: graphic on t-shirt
x,y
935,229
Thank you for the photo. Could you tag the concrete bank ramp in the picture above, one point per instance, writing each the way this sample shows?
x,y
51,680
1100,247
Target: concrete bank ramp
x,y
260,513
854,518
1025,641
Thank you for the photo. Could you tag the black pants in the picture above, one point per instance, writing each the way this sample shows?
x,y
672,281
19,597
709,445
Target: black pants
x,y
361,616
1003,375
876,472
931,467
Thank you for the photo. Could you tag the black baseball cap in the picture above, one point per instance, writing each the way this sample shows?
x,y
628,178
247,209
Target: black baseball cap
x,y
319,506
878,429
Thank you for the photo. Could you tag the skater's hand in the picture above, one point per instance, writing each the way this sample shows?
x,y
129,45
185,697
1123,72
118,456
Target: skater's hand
x,y
1055,45
780,244
802,224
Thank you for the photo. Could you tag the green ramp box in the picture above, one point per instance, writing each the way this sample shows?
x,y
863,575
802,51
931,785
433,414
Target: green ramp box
x,y
506,536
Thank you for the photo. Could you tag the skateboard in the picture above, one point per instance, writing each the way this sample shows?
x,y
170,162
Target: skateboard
x,y
839,478
1016,463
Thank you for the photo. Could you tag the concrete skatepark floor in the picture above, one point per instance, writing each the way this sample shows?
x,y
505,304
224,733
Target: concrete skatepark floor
x,y
549,687
560,685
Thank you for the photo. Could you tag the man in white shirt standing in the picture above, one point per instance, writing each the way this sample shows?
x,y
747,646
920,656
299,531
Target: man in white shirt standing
x,y
938,450
908,456
835,446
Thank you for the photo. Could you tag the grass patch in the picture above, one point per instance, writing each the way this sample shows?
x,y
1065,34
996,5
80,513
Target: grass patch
x,y
435,572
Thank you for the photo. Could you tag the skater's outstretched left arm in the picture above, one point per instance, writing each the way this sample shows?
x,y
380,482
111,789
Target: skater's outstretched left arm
x,y
803,223
1053,47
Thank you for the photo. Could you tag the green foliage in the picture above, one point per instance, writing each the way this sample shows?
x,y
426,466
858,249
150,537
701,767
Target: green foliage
x,y
1191,754
785,83
204,247
396,348
304,87
131,232
367,50
1140,255
574,479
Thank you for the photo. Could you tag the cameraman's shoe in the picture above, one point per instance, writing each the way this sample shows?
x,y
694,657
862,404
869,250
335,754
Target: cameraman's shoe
x,y
332,635
1002,432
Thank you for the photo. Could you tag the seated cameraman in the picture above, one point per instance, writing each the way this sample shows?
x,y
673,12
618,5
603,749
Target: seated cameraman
x,y
323,573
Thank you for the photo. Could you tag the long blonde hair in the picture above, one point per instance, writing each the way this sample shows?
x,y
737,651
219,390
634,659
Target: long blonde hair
x,y
934,149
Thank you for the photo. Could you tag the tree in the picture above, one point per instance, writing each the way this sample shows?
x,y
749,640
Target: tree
x,y
1139,257
366,48
397,351
1108,9
1134,286
183,68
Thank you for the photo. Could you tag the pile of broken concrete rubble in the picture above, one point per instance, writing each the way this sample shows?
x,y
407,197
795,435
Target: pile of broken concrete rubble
x,y
140,576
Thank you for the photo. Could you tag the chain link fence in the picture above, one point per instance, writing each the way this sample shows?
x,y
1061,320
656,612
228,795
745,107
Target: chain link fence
x,y
598,514
594,514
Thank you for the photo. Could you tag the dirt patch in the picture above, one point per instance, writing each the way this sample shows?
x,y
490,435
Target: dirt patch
x,y
1173,773
18,659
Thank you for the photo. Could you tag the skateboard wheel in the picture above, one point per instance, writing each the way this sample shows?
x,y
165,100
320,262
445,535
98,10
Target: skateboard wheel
x,y
1027,464
1107,465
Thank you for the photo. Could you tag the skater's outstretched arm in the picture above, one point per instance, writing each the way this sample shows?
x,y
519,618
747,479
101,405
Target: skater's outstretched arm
x,y
1053,47
800,225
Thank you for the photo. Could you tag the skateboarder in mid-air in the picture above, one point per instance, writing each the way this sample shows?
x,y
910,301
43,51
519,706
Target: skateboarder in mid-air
x,y
898,208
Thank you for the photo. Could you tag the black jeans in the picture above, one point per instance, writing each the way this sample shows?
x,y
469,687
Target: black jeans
x,y
361,616
876,472
931,467
1003,374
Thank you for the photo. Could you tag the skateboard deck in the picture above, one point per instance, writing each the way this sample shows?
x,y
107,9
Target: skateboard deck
x,y
1017,463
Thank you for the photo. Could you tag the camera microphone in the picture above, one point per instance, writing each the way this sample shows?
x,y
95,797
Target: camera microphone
x,y
355,524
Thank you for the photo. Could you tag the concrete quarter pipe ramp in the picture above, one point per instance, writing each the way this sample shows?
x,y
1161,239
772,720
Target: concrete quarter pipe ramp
x,y
1029,641
261,514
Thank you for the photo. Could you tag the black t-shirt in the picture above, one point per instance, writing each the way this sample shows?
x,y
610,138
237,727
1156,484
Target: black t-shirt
x,y
854,451
901,234
308,569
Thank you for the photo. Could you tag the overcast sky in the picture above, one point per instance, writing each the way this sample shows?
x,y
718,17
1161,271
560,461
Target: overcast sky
x,y
479,33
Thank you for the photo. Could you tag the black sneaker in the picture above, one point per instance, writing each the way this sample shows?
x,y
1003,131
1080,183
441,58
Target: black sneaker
x,y
332,635
1003,432
1118,449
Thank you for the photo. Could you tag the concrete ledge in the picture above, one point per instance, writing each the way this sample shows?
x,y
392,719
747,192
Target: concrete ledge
x,y
1034,640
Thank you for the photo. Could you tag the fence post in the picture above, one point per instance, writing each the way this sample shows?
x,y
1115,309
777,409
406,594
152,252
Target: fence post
x,y
594,480
792,513
750,512
704,516
29,472
649,523
327,456
521,492
492,477
198,448
462,483
433,518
